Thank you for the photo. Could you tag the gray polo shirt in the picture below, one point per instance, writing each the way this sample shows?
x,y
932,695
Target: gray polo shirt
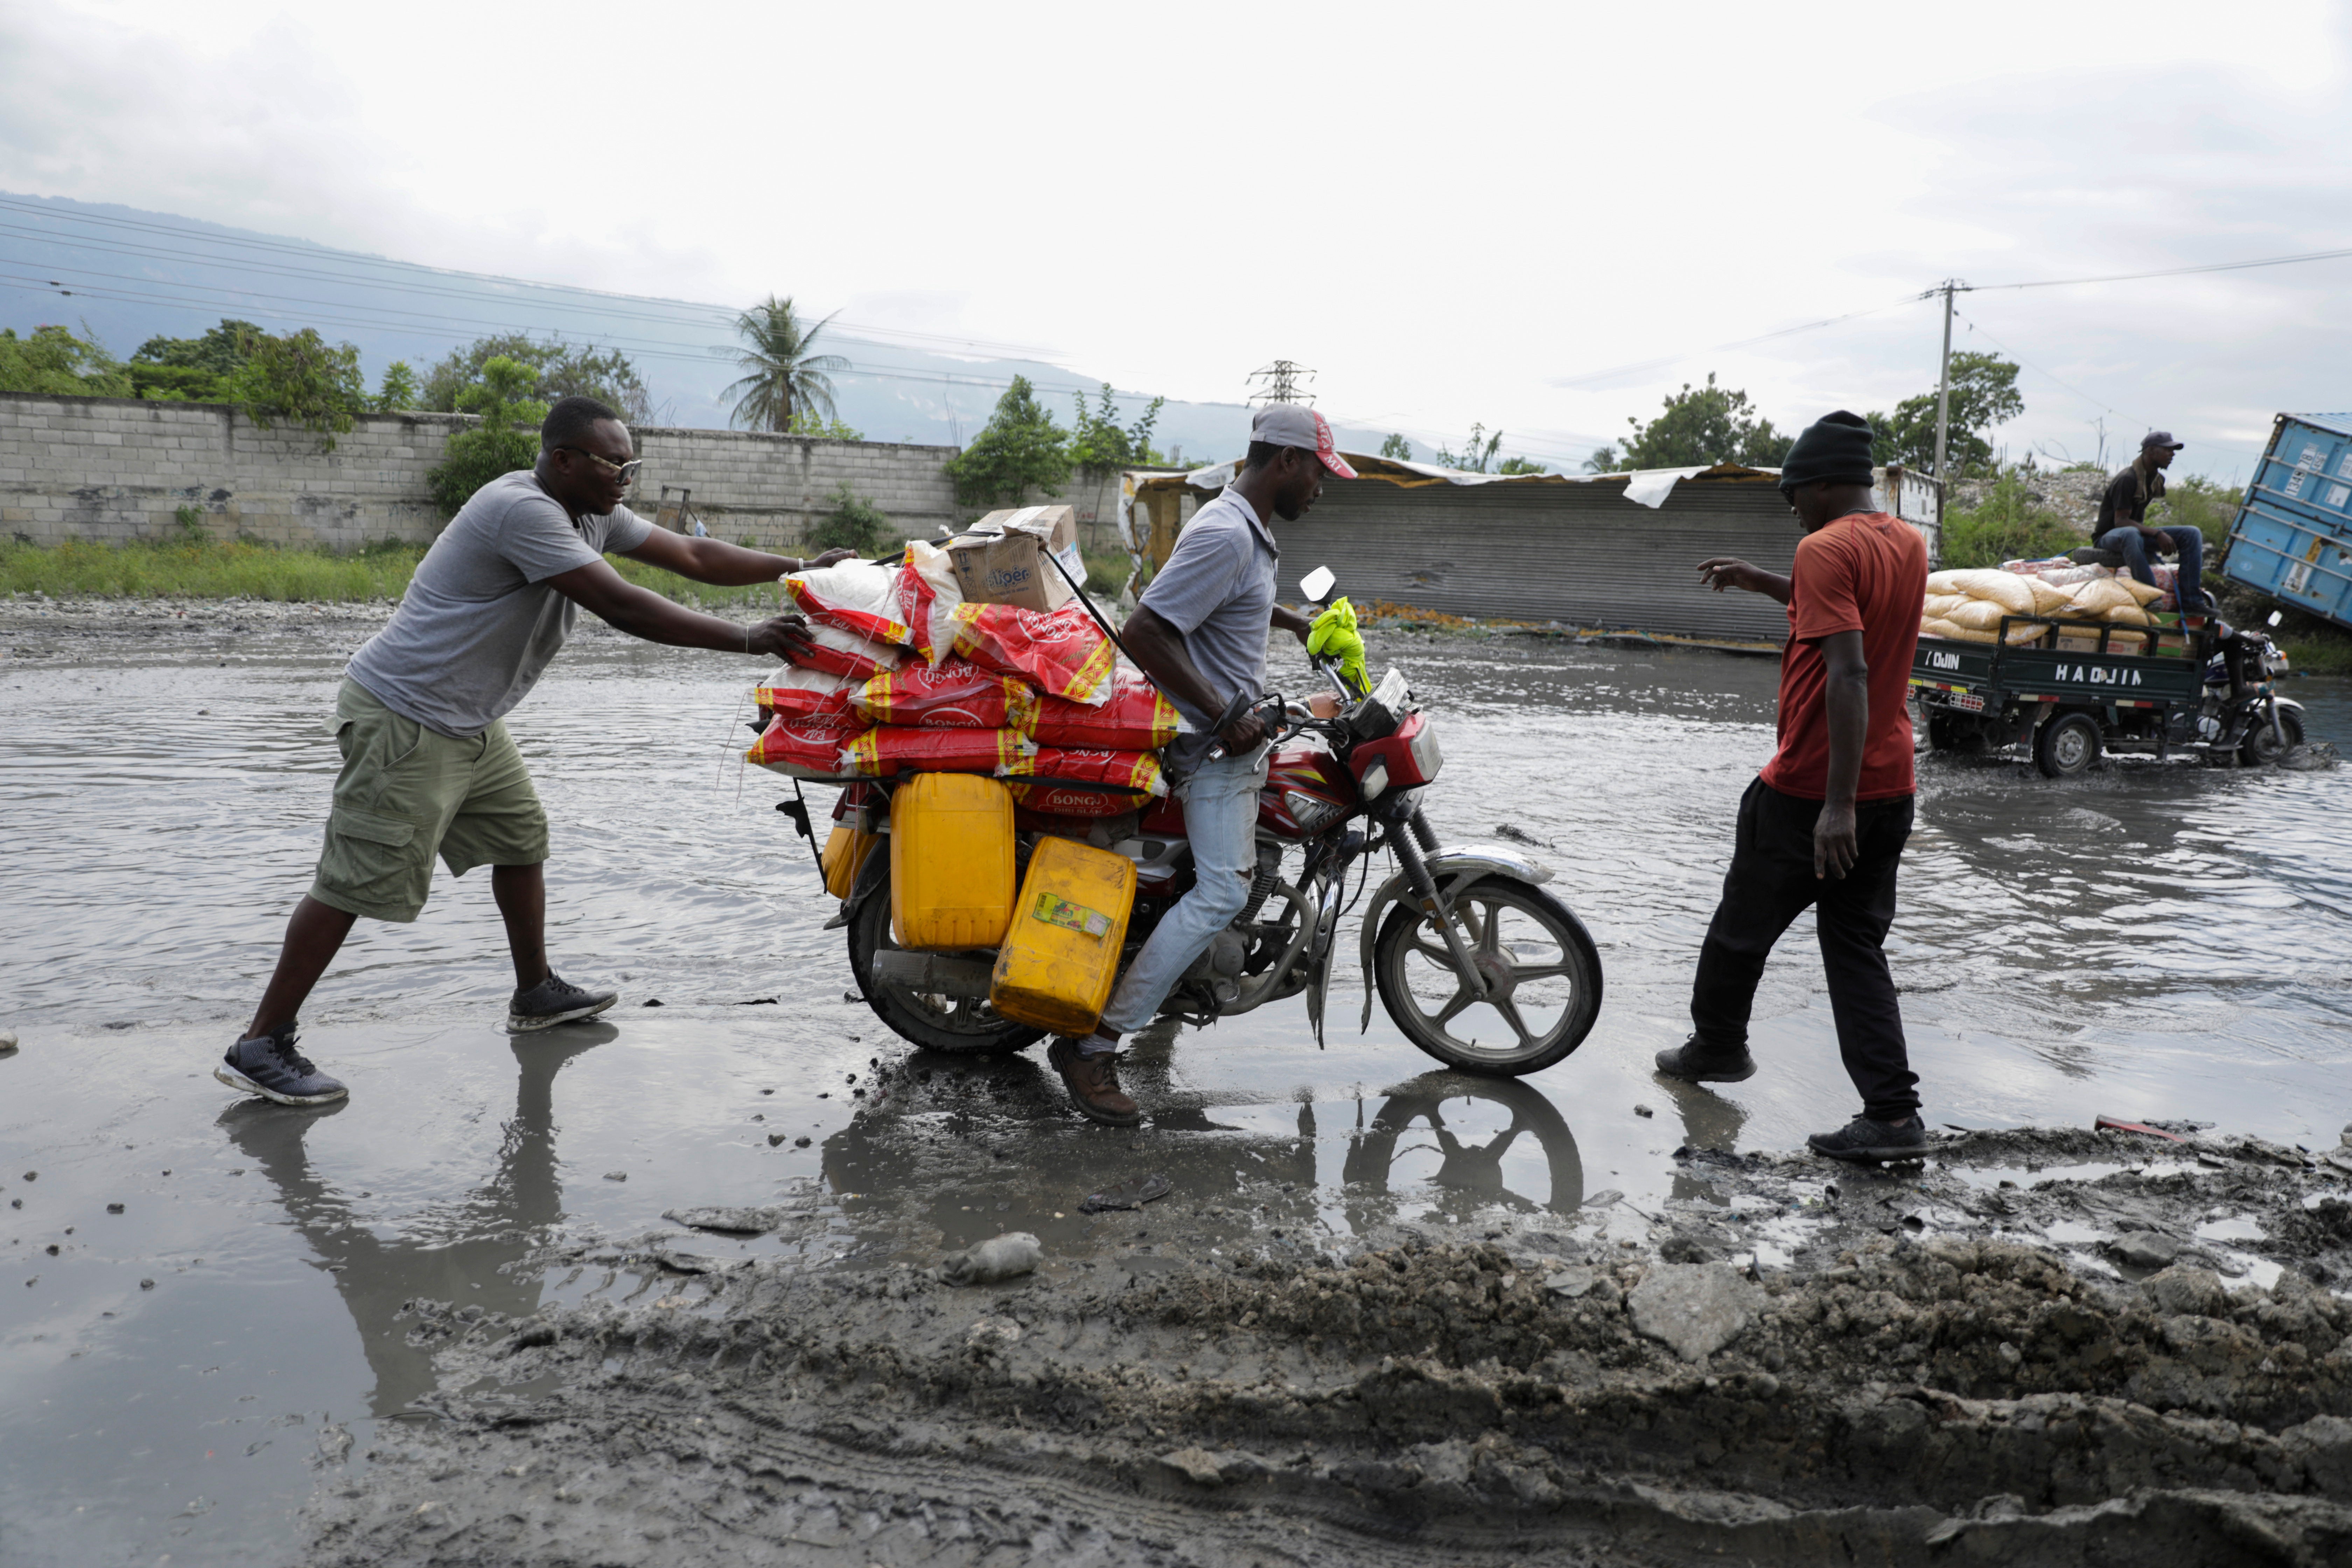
x,y
479,622
1218,590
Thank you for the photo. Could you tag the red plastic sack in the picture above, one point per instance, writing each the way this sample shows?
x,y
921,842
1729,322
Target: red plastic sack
x,y
958,695
799,693
1134,718
894,749
1134,770
839,652
805,748
855,595
1067,800
929,592
1062,652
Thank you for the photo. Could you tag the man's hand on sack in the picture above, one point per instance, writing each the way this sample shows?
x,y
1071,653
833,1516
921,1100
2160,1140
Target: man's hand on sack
x,y
830,558
779,638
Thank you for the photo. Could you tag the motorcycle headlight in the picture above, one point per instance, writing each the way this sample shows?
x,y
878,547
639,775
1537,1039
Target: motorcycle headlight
x,y
1312,813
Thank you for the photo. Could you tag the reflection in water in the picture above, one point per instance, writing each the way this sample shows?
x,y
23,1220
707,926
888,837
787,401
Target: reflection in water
x,y
460,1253
1470,1172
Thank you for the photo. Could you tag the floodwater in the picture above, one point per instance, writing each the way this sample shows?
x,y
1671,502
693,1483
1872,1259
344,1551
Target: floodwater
x,y
2161,941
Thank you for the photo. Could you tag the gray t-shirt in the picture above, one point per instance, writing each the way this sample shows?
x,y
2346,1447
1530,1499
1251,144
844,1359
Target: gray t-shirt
x,y
479,622
1218,590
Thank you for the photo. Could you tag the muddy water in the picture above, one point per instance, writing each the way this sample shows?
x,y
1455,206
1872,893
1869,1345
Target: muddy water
x,y
2144,942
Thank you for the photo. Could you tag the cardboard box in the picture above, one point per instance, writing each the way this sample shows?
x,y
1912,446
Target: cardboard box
x,y
999,559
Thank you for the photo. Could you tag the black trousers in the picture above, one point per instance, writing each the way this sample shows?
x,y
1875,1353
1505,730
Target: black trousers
x,y
1770,883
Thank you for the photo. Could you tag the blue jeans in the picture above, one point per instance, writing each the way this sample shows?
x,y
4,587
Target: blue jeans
x,y
2132,545
1221,821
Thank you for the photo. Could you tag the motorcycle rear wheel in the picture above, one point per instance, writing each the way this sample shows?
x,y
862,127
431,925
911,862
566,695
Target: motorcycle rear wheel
x,y
954,1025
1525,938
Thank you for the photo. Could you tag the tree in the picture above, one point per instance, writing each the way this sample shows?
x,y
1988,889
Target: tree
x,y
1397,449
193,370
1700,427
1523,466
825,429
506,439
302,379
1601,460
1098,444
1475,455
1984,394
2008,524
1021,450
559,369
54,360
782,372
399,388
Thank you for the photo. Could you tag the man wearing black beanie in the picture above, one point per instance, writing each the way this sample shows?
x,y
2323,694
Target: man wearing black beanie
x,y
1825,822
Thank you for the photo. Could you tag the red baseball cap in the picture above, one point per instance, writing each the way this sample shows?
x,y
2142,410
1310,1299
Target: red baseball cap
x,y
1296,425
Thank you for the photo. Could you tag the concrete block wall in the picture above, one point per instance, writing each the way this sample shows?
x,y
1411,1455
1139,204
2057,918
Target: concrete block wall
x,y
112,469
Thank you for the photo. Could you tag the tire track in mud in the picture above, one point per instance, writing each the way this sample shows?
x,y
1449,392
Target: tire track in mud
x,y
1892,1399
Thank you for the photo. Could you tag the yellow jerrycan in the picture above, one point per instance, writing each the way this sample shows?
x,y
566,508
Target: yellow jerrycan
x,y
1056,968
845,850
950,862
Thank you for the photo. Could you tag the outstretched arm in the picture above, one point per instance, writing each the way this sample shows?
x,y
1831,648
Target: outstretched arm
x,y
720,564
642,612
1722,572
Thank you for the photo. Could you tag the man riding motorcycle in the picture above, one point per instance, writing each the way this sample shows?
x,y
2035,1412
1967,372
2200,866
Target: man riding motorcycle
x,y
1200,634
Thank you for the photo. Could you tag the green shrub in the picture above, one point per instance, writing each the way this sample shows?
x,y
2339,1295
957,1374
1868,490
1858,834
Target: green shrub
x,y
1107,574
506,439
854,523
2007,525
2206,505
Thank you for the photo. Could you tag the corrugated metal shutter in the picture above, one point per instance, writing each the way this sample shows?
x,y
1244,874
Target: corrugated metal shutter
x,y
1582,555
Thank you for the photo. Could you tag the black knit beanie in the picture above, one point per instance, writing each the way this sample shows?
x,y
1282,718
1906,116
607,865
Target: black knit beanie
x,y
1836,447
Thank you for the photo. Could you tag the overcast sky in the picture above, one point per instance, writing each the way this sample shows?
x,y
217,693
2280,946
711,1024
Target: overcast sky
x,y
1451,213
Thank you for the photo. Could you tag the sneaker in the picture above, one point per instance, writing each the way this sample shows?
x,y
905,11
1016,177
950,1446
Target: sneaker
x,y
1092,1083
1869,1142
1687,1061
268,1065
553,1000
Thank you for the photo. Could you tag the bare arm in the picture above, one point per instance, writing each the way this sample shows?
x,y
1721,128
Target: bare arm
x,y
1294,623
720,564
642,612
1722,572
1848,698
1159,647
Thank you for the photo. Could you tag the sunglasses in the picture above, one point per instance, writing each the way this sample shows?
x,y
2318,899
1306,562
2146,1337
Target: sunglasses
x,y
627,471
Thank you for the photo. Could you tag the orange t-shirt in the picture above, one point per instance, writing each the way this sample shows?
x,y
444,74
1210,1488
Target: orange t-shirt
x,y
1866,572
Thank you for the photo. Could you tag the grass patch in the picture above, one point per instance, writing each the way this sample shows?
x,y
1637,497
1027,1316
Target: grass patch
x,y
203,568
2322,653
2007,525
1107,574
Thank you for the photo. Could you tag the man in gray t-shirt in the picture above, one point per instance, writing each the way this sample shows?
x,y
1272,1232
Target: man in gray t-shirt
x,y
1200,634
428,768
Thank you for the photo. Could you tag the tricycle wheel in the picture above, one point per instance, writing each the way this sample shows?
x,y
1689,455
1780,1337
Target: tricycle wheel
x,y
2067,745
2260,746
957,1026
1955,733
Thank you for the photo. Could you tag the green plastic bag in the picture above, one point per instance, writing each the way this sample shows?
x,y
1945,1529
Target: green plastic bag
x,y
1333,636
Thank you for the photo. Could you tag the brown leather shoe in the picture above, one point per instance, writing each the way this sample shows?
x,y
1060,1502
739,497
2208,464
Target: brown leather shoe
x,y
1092,1083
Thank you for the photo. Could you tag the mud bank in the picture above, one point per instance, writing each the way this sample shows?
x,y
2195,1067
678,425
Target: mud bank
x,y
1971,1359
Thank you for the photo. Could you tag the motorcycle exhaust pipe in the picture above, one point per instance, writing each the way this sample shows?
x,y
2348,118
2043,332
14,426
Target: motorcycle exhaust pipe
x,y
932,973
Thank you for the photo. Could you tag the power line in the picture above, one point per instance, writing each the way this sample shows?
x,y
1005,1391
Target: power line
x,y
2166,272
1572,381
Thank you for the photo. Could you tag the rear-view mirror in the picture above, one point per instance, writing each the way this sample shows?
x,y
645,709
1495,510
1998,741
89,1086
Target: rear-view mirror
x,y
1317,585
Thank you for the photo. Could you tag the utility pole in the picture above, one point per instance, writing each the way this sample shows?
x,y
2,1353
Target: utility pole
x,y
1944,380
1282,380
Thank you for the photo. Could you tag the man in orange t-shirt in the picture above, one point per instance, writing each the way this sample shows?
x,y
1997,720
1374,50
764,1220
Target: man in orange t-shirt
x,y
1825,824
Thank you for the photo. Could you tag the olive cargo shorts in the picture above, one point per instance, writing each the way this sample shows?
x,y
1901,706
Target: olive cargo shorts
x,y
406,791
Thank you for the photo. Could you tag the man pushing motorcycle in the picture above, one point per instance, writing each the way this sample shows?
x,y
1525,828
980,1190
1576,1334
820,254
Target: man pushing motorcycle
x,y
1200,634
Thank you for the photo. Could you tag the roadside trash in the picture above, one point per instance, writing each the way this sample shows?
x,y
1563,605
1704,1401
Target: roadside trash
x,y
1603,1198
1521,836
146,1284
1131,1193
651,1002
1644,1111
775,1139
800,1142
114,1208
1000,1257
616,1176
2116,1124
732,1220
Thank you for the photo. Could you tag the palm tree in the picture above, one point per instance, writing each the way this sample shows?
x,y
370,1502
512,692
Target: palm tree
x,y
784,376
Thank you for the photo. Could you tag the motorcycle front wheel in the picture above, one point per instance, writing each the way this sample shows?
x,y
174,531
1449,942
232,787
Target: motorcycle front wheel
x,y
957,1026
1543,975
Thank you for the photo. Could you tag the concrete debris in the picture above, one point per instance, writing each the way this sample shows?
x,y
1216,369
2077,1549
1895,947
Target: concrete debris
x,y
1131,1193
1570,1283
1692,1308
733,1221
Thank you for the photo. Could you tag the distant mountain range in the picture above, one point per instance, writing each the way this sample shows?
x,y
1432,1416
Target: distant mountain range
x,y
132,275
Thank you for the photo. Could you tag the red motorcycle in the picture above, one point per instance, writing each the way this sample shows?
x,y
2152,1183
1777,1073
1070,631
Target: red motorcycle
x,y
1475,962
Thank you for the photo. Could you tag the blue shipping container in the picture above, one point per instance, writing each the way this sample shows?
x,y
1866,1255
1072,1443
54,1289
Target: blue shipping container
x,y
2293,539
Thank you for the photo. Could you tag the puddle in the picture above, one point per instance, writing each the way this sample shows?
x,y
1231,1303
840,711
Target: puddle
x,y
286,1250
